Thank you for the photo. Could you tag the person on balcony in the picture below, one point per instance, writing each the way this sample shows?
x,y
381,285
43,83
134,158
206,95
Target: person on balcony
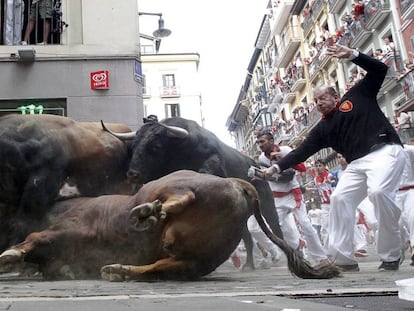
x,y
355,126
45,9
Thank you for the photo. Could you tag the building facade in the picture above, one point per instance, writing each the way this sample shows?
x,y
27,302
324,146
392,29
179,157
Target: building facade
x,y
290,61
171,86
90,68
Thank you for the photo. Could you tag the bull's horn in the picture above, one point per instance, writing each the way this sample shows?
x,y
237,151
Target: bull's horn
x,y
121,136
175,131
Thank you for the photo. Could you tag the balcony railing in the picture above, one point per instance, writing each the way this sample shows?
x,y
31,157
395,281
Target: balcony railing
x,y
345,39
170,91
317,7
280,17
31,109
335,5
298,78
407,82
24,23
375,12
359,33
407,9
313,117
307,25
289,45
406,135
394,67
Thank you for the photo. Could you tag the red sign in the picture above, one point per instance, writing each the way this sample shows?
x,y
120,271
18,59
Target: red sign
x,y
100,80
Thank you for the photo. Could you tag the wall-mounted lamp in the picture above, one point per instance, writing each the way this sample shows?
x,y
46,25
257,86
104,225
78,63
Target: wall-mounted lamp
x,y
161,32
27,54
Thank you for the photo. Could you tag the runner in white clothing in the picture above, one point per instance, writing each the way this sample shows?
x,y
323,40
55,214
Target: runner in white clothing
x,y
405,199
288,198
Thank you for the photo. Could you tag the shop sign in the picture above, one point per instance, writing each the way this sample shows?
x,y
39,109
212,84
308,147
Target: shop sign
x,y
100,80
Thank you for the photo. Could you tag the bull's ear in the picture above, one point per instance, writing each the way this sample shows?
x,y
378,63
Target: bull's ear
x,y
175,131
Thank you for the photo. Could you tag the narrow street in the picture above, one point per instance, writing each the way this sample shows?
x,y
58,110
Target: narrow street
x,y
225,289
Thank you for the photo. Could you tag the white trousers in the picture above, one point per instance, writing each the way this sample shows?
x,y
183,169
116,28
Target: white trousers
x,y
259,236
377,175
405,200
325,210
285,208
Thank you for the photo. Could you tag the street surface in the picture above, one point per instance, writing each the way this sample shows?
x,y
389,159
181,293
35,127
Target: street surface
x,y
225,289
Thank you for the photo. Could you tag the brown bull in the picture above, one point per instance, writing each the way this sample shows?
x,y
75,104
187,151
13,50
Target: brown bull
x,y
181,226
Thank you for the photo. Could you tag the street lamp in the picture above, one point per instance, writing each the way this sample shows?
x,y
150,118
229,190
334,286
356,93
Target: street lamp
x,y
161,32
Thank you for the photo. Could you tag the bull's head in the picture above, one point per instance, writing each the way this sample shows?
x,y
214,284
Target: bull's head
x,y
153,148
172,131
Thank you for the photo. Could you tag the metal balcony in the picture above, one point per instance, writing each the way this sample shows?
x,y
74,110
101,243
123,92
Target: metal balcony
x,y
281,136
313,117
359,34
307,24
280,17
289,45
335,5
407,9
317,8
390,80
298,79
346,39
406,135
407,83
170,91
375,12
314,67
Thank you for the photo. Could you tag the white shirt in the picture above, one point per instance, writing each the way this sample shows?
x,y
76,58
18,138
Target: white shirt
x,y
402,119
279,186
315,216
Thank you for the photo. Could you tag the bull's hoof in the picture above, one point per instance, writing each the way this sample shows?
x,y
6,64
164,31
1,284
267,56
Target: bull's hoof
x,y
12,255
9,259
145,224
247,268
147,215
115,273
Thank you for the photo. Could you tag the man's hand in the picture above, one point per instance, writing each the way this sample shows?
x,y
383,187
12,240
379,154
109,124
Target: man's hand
x,y
276,155
268,172
339,51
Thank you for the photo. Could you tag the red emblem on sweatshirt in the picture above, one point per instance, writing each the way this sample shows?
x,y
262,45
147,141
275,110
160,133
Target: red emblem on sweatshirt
x,y
346,106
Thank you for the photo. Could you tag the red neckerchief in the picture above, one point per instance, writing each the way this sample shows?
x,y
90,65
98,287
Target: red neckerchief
x,y
270,156
320,178
326,116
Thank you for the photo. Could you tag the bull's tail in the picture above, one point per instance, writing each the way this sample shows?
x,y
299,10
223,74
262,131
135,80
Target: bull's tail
x,y
296,264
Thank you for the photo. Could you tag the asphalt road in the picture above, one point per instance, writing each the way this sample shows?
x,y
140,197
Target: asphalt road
x,y
225,289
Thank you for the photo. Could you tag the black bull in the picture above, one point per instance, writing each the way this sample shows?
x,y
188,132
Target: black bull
x,y
38,153
160,148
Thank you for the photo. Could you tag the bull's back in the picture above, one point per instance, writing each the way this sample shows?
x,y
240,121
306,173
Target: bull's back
x,y
210,227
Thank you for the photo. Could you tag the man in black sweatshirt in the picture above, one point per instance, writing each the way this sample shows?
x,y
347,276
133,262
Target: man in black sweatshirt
x,y
355,126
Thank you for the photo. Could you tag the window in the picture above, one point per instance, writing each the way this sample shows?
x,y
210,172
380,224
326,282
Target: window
x,y
145,91
172,110
168,80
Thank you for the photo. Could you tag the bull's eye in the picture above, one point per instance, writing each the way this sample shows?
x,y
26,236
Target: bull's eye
x,y
155,148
